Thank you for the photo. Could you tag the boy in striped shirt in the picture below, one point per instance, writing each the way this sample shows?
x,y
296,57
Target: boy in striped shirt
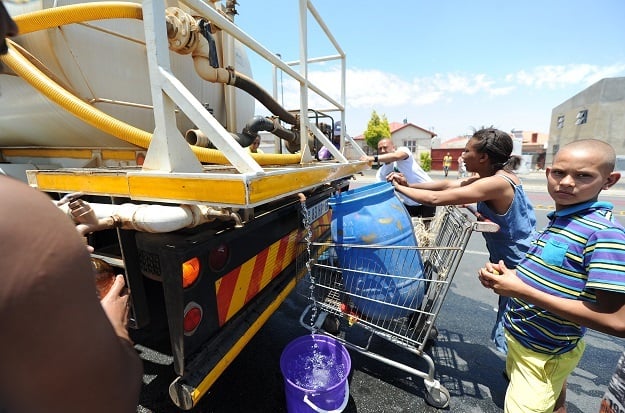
x,y
572,278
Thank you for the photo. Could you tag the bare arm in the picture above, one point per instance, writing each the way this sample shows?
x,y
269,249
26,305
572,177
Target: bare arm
x,y
607,314
464,192
440,185
56,324
386,157
392,156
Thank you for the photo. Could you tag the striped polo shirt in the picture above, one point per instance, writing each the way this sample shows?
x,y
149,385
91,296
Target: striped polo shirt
x,y
581,249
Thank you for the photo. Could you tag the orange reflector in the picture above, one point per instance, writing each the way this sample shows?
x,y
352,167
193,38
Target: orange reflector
x,y
190,271
140,158
192,318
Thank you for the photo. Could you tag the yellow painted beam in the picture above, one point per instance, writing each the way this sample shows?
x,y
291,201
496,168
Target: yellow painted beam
x,y
110,185
71,153
212,187
223,191
48,153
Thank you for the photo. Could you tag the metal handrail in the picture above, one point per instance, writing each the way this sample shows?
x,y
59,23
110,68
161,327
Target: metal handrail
x,y
168,150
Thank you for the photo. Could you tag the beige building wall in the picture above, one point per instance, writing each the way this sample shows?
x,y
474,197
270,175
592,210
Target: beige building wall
x,y
416,139
604,102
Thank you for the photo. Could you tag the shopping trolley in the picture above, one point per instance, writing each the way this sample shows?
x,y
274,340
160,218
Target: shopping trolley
x,y
348,287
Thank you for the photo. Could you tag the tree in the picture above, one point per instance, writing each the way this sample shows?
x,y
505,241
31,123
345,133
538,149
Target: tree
x,y
377,129
426,161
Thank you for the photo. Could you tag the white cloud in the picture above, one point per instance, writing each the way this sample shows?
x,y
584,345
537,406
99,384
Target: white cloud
x,y
451,101
370,88
560,76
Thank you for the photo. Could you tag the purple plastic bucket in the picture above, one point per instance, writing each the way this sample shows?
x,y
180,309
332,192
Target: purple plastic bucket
x,y
315,369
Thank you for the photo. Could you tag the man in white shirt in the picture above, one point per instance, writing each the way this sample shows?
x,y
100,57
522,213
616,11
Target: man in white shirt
x,y
400,159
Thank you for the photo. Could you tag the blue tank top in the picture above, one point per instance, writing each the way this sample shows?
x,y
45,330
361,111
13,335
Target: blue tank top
x,y
516,228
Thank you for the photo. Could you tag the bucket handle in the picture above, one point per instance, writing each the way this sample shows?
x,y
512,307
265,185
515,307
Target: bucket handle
x,y
320,410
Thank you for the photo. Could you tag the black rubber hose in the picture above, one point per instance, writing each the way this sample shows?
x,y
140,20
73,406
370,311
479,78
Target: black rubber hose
x,y
258,123
245,83
248,134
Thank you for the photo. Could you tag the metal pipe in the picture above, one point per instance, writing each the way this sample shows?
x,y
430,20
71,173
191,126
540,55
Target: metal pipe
x,y
246,137
183,33
144,217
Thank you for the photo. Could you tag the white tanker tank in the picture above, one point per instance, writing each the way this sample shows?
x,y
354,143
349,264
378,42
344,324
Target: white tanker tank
x,y
101,60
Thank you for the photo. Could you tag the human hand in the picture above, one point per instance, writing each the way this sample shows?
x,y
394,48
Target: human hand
x,y
366,159
7,28
115,305
500,279
397,178
82,212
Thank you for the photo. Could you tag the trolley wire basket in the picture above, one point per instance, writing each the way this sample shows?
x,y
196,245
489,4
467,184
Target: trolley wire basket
x,y
377,288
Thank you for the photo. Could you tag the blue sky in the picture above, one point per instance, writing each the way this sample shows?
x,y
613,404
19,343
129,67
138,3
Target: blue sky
x,y
448,66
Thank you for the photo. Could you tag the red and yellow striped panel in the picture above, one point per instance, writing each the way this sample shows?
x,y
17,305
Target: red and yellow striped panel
x,y
240,285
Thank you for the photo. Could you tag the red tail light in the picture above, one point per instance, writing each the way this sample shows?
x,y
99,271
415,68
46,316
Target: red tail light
x,y
218,257
192,318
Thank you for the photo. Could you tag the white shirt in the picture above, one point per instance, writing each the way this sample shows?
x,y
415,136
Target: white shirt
x,y
409,168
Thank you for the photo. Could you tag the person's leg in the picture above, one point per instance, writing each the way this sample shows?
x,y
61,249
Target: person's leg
x,y
497,334
560,406
541,375
572,359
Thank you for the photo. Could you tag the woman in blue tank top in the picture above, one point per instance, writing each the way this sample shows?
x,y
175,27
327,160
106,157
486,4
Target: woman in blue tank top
x,y
499,197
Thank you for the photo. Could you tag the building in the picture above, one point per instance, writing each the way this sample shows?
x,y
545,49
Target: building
x,y
533,149
529,145
596,112
416,138
454,146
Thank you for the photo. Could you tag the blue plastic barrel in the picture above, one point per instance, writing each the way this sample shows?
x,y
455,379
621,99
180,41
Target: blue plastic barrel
x,y
383,283
315,368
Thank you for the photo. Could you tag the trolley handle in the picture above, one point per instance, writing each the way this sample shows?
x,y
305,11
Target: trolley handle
x,y
482,224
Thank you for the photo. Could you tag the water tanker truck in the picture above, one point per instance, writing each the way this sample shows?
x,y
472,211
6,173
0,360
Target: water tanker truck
x,y
134,117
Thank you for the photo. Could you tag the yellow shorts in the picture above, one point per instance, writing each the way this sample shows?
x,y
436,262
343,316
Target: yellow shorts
x,y
536,379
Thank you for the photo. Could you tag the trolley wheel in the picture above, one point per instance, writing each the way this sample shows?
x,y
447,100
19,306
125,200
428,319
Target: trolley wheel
x,y
430,341
332,324
433,334
438,397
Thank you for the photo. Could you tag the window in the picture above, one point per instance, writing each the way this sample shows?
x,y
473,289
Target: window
x,y
411,144
560,124
582,117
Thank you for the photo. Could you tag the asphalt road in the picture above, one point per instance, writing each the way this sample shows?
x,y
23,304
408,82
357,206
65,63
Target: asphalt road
x,y
466,362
